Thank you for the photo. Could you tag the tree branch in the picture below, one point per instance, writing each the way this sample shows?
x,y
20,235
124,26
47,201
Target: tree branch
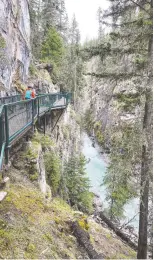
x,y
140,6
123,24
114,75
130,220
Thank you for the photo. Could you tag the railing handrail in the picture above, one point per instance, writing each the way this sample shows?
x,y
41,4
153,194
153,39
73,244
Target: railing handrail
x,y
18,95
30,100
19,102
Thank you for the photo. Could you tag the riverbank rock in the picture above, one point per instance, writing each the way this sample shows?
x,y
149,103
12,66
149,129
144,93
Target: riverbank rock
x,y
97,203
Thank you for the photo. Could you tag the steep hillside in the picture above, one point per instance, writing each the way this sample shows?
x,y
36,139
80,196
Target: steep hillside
x,y
33,227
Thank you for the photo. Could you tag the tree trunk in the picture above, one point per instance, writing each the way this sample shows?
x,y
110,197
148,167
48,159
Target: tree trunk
x,y
146,160
84,240
118,232
145,177
143,217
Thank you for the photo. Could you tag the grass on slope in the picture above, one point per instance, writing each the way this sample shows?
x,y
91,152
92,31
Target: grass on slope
x,y
32,228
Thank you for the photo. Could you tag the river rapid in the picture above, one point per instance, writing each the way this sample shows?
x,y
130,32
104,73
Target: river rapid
x,y
95,168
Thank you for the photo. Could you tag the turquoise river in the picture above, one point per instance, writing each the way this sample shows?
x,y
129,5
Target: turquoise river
x,y
96,167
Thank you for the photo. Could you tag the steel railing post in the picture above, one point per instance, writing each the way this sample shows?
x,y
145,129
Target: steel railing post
x,y
33,112
38,107
2,131
6,135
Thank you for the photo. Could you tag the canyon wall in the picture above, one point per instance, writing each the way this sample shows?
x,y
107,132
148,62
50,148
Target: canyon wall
x,y
14,43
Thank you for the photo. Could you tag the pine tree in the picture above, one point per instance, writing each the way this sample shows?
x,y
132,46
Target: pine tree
x,y
78,184
44,15
35,8
53,50
71,76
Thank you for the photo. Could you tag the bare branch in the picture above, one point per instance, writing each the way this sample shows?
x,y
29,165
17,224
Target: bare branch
x,y
129,221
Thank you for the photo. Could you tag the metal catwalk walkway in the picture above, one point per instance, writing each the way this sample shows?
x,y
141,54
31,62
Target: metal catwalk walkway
x,y
17,117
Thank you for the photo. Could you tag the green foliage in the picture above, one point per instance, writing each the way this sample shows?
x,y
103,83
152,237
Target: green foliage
x,y
88,121
66,130
125,154
71,71
32,70
52,47
30,251
78,184
83,223
5,236
128,101
31,248
48,237
2,42
140,61
99,137
101,49
3,55
98,132
33,176
44,140
52,166
31,156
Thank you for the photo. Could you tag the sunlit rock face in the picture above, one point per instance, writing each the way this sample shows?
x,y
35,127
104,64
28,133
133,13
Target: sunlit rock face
x,y
14,43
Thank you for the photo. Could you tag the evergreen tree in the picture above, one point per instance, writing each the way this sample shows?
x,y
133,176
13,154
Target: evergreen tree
x,y
35,8
44,15
71,75
52,167
78,184
53,48
124,157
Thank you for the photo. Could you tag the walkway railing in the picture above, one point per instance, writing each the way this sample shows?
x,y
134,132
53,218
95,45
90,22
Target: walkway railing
x,y
18,117
9,99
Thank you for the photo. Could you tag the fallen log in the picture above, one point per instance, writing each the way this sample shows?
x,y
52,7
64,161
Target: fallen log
x,y
118,232
83,239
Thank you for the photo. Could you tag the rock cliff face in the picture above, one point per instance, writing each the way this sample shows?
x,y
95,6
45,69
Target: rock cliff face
x,y
114,103
66,133
14,42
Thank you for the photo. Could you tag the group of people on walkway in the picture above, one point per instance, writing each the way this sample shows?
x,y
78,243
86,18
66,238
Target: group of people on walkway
x,y
29,93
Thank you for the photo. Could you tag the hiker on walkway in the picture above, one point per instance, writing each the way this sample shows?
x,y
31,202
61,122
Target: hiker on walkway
x,y
33,94
28,93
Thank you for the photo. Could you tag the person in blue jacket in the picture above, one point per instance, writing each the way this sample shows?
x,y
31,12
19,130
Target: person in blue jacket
x,y
28,93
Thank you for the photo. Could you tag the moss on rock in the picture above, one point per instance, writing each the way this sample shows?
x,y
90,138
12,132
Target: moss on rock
x,y
2,42
44,140
98,132
128,101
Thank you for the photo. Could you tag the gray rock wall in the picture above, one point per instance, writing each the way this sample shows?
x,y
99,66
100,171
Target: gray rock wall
x,y
14,42
103,96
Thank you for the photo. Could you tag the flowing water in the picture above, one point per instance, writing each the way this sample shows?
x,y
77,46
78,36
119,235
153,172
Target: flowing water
x,y
96,168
